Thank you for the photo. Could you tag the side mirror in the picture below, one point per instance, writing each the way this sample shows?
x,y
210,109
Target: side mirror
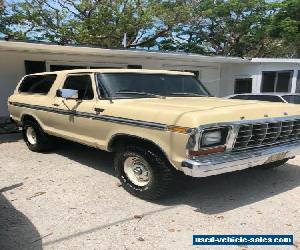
x,y
67,93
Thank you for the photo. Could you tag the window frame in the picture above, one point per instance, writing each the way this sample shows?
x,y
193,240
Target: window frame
x,y
91,75
32,75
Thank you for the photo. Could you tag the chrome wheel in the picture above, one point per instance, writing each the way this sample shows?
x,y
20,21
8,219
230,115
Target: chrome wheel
x,y
137,170
31,135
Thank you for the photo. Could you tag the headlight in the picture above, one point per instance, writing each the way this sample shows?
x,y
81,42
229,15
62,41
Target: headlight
x,y
211,138
214,137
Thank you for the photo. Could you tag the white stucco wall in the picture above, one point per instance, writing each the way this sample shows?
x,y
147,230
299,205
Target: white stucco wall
x,y
230,72
11,71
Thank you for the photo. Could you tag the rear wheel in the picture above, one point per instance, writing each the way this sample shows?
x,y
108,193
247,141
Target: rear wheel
x,y
35,138
274,164
143,172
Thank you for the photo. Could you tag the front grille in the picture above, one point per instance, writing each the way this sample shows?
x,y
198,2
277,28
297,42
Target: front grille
x,y
264,133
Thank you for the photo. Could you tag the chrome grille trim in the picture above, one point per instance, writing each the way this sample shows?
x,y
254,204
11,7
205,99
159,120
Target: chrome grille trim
x,y
253,134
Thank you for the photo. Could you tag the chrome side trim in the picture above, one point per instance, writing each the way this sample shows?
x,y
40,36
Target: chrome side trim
x,y
106,118
232,161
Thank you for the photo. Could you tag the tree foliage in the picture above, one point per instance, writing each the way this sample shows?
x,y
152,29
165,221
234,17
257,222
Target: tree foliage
x,y
4,24
228,27
285,27
99,22
215,27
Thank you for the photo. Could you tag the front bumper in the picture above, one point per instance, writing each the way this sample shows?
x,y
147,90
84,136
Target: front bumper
x,y
232,161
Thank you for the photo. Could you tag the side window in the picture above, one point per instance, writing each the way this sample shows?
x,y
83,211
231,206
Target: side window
x,y
266,98
242,97
83,84
37,84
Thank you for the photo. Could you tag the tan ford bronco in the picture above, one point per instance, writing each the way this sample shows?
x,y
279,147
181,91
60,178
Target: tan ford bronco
x,y
158,124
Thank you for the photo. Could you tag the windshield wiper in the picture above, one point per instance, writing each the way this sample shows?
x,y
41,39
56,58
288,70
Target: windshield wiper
x,y
139,93
186,94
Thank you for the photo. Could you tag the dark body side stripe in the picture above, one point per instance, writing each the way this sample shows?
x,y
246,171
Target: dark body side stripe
x,y
152,125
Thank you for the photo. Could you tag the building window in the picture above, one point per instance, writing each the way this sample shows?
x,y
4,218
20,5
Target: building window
x,y
81,83
134,66
298,83
106,67
65,67
32,67
276,81
37,84
243,85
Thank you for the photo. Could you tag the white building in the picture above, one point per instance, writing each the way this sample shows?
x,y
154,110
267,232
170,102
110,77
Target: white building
x,y
221,75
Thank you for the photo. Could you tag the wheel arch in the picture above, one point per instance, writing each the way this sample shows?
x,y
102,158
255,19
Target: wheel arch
x,y
28,117
121,139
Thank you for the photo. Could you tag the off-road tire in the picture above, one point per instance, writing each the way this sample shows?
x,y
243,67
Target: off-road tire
x,y
271,165
162,172
44,142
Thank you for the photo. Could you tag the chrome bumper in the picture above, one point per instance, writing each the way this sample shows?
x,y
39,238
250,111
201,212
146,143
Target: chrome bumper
x,y
232,161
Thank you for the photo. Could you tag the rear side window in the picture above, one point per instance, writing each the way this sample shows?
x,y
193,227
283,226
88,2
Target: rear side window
x,y
37,84
83,84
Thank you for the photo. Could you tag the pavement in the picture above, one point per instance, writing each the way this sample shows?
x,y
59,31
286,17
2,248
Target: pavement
x,y
70,199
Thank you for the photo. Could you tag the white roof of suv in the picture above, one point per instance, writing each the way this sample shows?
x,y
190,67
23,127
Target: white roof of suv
x,y
140,71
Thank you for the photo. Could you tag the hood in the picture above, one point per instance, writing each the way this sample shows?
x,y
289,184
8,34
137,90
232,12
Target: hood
x,y
195,111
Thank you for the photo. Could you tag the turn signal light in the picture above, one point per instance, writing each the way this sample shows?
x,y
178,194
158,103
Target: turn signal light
x,y
178,129
207,151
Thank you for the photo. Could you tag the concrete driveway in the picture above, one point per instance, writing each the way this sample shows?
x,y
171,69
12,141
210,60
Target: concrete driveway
x,y
70,199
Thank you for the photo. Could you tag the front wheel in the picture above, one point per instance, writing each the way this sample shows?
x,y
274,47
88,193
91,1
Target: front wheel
x,y
143,172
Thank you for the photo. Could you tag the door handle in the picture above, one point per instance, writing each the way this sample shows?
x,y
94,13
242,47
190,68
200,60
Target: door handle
x,y
55,104
98,110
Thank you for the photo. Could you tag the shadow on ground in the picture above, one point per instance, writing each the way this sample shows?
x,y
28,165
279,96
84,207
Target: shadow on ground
x,y
16,230
13,137
210,195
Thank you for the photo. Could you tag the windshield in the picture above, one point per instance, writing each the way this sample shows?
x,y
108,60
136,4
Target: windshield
x,y
136,85
292,98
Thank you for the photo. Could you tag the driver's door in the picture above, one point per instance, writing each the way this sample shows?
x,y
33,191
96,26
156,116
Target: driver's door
x,y
74,121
